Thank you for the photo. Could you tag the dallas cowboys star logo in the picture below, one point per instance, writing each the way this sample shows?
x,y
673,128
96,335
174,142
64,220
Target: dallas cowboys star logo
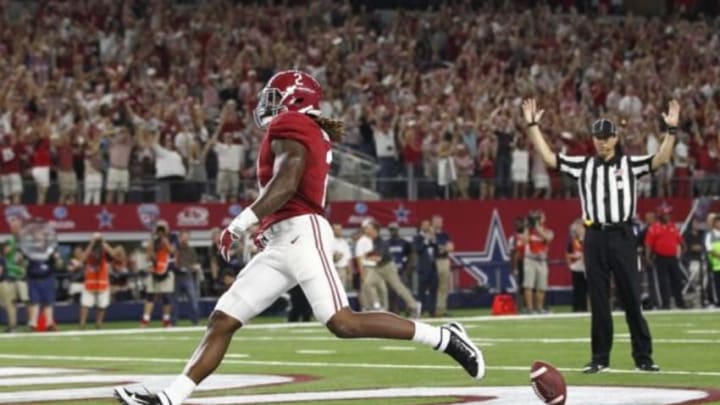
x,y
402,214
105,218
491,266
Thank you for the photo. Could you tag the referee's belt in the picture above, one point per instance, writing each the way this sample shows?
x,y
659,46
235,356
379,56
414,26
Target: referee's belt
x,y
610,226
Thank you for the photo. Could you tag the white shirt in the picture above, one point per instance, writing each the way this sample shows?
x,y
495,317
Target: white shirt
x,y
385,144
183,140
681,154
363,246
520,161
229,156
632,107
341,247
167,163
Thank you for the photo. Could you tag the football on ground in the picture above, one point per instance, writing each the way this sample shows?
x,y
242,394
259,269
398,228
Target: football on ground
x,y
548,383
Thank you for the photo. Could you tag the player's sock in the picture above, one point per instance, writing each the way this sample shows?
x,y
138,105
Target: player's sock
x,y
433,336
180,389
166,317
146,318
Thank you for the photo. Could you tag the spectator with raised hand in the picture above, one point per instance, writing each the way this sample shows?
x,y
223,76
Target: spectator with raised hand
x,y
65,167
10,169
230,154
520,168
93,168
39,150
503,158
122,142
486,172
384,132
169,169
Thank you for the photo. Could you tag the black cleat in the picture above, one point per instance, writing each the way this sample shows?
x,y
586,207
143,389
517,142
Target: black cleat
x,y
127,397
649,367
594,368
464,351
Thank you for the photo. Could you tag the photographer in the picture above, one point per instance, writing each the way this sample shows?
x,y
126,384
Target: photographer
x,y
96,260
161,283
536,239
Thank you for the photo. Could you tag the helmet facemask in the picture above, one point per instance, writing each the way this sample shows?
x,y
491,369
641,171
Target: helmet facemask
x,y
269,105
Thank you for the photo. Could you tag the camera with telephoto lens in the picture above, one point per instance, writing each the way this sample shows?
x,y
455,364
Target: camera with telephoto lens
x,y
533,219
97,247
160,232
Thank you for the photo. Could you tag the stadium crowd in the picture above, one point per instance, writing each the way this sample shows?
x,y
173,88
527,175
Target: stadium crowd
x,y
100,98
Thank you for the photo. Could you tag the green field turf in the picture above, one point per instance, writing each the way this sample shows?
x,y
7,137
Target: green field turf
x,y
687,347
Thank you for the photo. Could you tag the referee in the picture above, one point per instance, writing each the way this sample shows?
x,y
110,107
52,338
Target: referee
x,y
607,184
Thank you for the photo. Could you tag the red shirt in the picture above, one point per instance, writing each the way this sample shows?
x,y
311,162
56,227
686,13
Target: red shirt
x,y
234,128
310,195
41,153
486,169
11,158
517,245
663,239
65,157
412,151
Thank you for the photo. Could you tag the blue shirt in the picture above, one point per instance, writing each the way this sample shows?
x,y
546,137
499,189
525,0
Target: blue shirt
x,y
442,239
427,253
400,250
40,268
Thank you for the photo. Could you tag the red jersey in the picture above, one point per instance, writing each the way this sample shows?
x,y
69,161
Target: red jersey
x,y
517,245
310,195
10,155
41,153
663,239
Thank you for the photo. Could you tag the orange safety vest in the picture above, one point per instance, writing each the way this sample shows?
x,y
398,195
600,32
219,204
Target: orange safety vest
x,y
536,244
162,261
97,277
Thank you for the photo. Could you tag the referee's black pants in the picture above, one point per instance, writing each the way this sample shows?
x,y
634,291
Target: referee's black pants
x,y
670,278
613,251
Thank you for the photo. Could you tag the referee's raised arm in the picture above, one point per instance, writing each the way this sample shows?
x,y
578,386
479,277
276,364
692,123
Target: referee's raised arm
x,y
665,151
532,116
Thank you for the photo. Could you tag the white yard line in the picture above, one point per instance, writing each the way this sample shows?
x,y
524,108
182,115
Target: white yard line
x,y
399,348
310,351
478,340
703,332
483,318
523,369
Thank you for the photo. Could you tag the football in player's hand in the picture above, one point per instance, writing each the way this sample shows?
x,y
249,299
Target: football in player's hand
x,y
548,383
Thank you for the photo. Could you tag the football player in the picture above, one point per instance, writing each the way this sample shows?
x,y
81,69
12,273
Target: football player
x,y
292,169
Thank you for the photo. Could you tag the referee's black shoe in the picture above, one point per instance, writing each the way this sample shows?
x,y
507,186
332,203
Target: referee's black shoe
x,y
647,367
594,368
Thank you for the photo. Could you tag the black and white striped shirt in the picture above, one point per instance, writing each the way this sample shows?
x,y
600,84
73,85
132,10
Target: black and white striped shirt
x,y
608,189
